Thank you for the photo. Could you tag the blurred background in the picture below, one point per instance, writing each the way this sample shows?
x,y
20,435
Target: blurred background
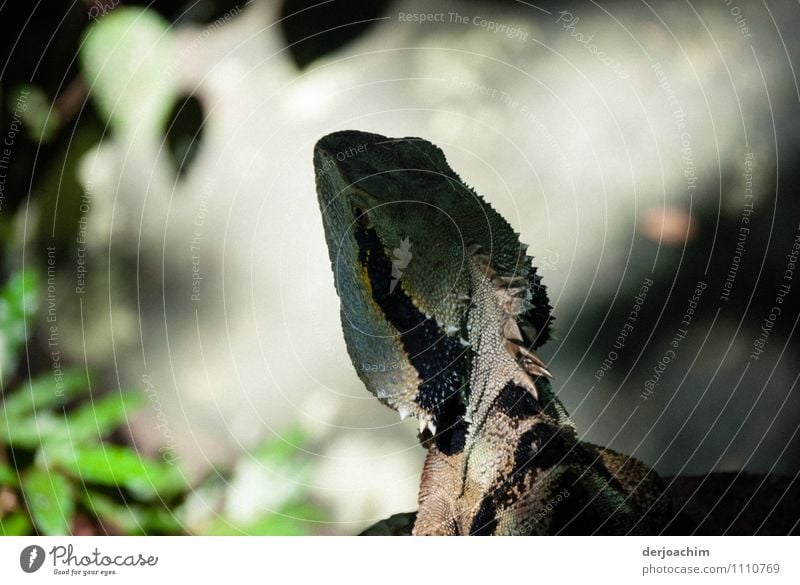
x,y
171,358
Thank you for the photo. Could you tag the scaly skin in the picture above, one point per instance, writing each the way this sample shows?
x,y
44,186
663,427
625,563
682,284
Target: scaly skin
x,y
442,312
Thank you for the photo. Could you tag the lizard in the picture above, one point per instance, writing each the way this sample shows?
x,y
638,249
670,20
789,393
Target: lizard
x,y
443,313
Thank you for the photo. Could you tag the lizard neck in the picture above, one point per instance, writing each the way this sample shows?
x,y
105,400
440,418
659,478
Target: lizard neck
x,y
503,369
512,430
499,373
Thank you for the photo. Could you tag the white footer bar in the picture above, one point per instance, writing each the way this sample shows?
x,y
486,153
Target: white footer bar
x,y
382,560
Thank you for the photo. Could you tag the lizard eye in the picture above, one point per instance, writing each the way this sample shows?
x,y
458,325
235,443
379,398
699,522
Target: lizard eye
x,y
361,216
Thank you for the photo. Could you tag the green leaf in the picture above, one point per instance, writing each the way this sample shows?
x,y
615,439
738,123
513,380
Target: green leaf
x,y
15,524
119,466
41,393
32,432
294,520
130,518
128,63
282,449
272,525
49,500
161,520
100,417
304,512
18,303
107,510
92,421
7,475
22,293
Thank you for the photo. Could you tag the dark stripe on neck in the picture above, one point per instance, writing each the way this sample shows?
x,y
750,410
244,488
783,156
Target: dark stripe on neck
x,y
439,359
485,521
517,402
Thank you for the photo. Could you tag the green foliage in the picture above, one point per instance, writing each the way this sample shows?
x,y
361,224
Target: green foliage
x,y
49,498
55,432
281,504
18,303
42,393
133,518
112,465
58,462
15,524
291,520
7,475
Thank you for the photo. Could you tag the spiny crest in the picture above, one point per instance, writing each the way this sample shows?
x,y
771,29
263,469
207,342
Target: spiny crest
x,y
520,326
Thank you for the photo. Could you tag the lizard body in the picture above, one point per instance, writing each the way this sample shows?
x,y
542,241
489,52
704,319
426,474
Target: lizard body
x,y
442,311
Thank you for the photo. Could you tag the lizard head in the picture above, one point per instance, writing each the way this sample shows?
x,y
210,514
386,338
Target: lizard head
x,y
401,230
